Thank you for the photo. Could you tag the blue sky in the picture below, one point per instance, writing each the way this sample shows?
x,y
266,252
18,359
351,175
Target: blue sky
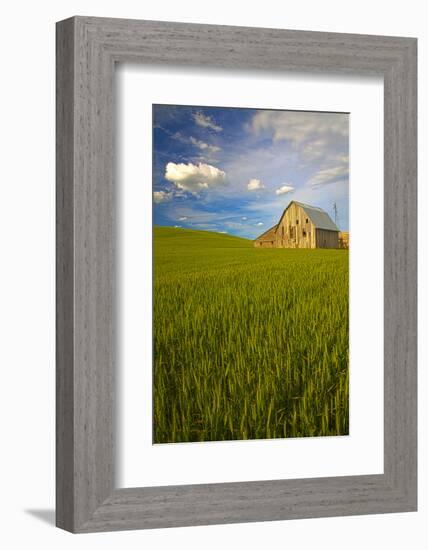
x,y
235,170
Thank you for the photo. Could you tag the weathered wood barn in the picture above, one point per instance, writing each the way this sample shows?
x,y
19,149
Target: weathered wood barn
x,y
301,226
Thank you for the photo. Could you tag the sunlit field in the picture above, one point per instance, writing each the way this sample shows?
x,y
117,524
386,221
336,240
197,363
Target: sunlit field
x,y
248,343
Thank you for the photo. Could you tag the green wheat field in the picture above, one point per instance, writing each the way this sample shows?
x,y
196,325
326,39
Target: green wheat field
x,y
248,343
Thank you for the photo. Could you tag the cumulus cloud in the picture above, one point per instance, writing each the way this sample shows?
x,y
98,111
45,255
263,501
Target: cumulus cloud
x,y
204,146
162,196
284,189
244,218
206,121
194,178
330,175
259,224
182,219
254,184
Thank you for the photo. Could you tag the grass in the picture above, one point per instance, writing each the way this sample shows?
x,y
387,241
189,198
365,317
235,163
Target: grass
x,y
248,343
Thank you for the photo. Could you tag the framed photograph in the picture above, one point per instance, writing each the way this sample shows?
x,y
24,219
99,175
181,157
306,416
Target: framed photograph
x,y
236,274
249,343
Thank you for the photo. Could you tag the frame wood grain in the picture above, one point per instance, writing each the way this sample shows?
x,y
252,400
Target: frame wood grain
x,y
87,50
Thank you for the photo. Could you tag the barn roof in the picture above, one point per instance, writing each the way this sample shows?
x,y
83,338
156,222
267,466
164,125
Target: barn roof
x,y
318,216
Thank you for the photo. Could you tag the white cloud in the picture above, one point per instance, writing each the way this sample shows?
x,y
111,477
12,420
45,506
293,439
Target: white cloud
x,y
330,175
254,184
206,121
314,136
284,189
259,224
193,178
315,149
244,218
233,225
182,219
300,127
162,196
204,146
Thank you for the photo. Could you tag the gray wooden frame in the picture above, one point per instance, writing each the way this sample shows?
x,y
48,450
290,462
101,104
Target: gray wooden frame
x,y
87,50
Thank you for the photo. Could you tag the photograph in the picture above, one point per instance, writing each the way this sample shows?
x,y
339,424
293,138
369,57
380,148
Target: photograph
x,y
250,274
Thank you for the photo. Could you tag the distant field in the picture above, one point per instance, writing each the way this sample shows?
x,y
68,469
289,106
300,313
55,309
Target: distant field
x,y
248,343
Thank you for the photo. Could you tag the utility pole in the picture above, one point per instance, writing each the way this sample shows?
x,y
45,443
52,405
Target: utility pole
x,y
336,215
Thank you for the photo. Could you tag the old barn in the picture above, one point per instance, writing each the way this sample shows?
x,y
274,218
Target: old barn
x,y
301,226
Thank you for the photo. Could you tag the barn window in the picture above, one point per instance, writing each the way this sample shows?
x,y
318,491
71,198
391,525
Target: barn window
x,y
304,233
297,222
307,220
